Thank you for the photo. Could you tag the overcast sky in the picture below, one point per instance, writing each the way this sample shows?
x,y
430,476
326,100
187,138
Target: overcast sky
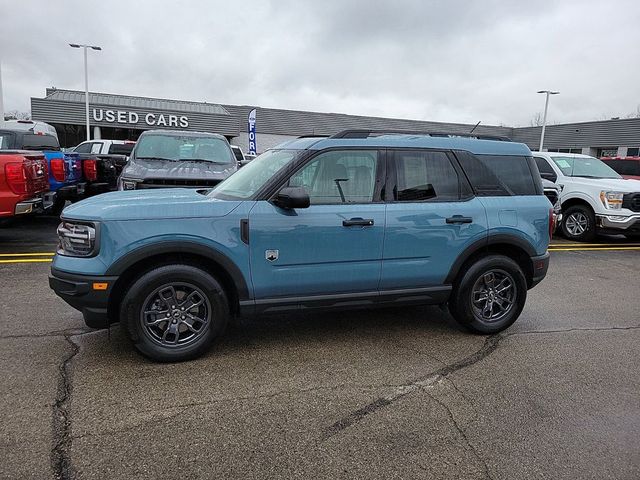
x,y
431,60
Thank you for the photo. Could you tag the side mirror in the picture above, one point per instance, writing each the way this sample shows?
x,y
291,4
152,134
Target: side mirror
x,y
549,176
292,197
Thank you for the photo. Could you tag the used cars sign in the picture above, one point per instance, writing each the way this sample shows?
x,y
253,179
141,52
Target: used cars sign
x,y
133,118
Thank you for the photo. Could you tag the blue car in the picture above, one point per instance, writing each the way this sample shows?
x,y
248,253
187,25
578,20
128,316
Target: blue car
x,y
360,219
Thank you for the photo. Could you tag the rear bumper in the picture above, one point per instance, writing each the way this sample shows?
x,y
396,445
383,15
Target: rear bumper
x,y
539,267
72,192
80,292
35,204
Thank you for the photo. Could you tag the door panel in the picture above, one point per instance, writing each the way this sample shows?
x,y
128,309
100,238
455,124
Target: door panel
x,y
420,246
316,254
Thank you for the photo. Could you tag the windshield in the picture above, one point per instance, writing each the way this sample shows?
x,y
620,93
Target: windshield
x,y
182,148
587,167
249,179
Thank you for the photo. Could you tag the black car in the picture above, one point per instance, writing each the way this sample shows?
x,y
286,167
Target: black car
x,y
167,158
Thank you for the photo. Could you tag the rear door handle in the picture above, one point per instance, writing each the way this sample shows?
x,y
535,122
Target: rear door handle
x,y
358,222
459,219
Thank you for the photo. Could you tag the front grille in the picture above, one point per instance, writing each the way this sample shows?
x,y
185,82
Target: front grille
x,y
177,183
631,201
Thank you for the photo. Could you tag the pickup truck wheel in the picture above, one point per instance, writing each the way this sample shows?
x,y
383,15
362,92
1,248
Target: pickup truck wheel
x,y
579,223
172,313
490,295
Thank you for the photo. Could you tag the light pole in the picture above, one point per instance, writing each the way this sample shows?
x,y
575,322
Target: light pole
x,y
86,81
544,119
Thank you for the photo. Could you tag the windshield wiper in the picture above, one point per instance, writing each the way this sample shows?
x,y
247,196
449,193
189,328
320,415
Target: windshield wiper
x,y
158,158
202,160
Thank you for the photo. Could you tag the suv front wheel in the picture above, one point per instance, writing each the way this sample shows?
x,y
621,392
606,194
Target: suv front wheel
x,y
172,313
490,295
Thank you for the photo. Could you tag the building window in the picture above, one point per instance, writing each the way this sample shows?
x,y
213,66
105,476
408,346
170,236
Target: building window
x,y
633,152
607,152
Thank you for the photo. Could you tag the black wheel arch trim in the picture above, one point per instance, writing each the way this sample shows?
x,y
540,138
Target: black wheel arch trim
x,y
492,239
182,247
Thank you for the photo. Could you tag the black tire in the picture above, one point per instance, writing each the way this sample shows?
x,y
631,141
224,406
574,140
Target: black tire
x,y
469,315
578,217
152,334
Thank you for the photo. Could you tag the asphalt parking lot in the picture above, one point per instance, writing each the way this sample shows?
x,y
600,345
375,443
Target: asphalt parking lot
x,y
373,394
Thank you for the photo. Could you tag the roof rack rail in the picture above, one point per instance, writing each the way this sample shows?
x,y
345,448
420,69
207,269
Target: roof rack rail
x,y
314,135
360,133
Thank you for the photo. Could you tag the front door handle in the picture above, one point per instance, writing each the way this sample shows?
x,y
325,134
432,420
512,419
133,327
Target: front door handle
x,y
459,219
358,222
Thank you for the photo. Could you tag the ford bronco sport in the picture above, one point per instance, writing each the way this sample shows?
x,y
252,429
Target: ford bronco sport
x,y
359,219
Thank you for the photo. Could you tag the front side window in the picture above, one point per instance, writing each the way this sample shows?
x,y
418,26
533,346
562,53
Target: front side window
x,y
83,148
425,176
184,148
246,182
587,167
335,177
544,167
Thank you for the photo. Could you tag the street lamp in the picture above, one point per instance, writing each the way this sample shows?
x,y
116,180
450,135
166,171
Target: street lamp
x,y
544,119
86,81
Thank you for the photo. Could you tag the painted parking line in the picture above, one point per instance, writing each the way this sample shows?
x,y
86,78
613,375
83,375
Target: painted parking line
x,y
44,254
28,260
563,245
573,249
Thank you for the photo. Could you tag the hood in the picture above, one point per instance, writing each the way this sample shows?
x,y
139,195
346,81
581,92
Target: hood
x,y
624,185
178,170
149,205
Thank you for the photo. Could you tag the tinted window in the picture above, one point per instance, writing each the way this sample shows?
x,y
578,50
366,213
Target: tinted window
x,y
625,167
339,177
96,147
544,167
513,171
31,141
633,152
238,153
6,140
83,147
121,148
483,180
425,176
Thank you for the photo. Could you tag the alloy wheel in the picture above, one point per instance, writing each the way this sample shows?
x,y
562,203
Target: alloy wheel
x,y
577,223
493,295
176,314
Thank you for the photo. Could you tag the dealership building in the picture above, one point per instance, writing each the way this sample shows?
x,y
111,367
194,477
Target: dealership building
x,y
125,117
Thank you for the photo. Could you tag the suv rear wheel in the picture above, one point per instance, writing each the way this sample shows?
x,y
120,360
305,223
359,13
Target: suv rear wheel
x,y
579,223
172,313
490,295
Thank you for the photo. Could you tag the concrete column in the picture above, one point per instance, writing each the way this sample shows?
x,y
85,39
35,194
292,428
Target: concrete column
x,y
97,133
622,151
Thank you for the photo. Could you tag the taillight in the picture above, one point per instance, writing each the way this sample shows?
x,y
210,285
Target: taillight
x,y
16,178
57,170
90,169
552,223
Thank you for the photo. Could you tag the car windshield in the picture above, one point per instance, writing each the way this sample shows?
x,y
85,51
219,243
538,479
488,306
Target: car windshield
x,y
243,184
184,148
587,167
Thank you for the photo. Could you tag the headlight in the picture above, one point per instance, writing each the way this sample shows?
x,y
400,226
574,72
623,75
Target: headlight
x,y
76,239
611,200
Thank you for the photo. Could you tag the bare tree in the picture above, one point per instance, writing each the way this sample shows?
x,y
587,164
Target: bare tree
x,y
536,121
17,115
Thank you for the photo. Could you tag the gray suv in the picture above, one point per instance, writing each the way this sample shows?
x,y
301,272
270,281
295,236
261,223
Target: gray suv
x,y
166,158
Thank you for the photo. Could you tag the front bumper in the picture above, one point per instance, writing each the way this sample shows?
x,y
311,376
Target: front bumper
x,y
539,267
621,223
81,293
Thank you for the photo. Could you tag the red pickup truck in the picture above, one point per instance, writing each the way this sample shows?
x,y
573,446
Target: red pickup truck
x,y
24,181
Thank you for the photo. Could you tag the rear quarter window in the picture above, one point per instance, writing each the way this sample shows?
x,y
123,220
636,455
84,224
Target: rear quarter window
x,y
496,175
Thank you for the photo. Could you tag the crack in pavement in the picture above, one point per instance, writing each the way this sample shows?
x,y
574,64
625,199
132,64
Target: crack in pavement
x,y
490,345
463,434
61,423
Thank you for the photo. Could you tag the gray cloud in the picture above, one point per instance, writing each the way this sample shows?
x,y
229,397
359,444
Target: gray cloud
x,y
434,60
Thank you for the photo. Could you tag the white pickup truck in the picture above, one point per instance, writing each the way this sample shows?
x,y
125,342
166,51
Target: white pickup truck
x,y
117,147
594,197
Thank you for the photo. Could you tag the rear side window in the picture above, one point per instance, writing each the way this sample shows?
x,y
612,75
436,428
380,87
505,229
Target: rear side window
x,y
425,175
502,174
121,148
484,181
31,141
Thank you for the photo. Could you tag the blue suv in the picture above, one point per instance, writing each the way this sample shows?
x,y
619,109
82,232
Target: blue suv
x,y
360,219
